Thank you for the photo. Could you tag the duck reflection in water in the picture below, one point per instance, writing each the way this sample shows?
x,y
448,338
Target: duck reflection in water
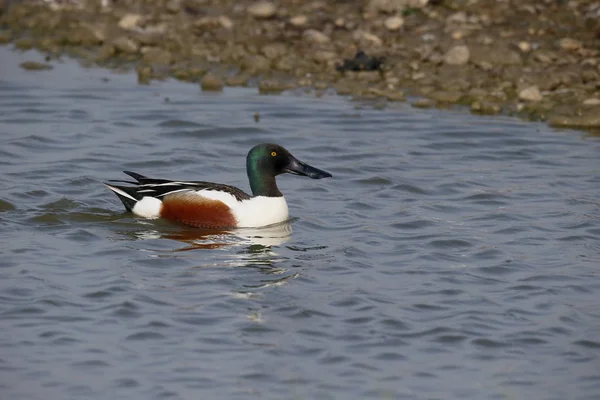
x,y
253,240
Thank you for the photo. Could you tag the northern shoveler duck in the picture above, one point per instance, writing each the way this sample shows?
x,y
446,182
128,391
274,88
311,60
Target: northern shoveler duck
x,y
213,205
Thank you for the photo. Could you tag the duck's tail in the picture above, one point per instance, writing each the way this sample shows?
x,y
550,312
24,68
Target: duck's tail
x,y
128,195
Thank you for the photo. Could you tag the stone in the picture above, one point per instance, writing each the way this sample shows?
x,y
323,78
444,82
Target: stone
x,y
591,102
393,6
457,55
314,36
274,51
225,22
367,38
494,55
130,21
569,44
256,64
211,83
144,73
485,107
173,6
262,9
35,66
272,86
423,103
90,33
155,55
237,80
393,23
125,45
531,93
446,97
525,47
299,20
588,119
459,17
324,56
5,37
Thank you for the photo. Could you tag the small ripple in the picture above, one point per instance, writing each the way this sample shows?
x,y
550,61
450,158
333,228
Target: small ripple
x,y
487,199
405,187
373,181
146,335
449,244
450,338
177,123
102,293
90,363
415,224
590,344
490,343
126,383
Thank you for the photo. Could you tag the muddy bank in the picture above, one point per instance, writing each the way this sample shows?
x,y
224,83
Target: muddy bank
x,y
539,59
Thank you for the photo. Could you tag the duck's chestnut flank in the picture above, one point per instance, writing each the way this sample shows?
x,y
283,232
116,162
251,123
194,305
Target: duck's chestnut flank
x,y
201,212
214,205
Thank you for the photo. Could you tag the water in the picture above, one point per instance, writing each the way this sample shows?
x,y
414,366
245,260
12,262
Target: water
x,y
450,257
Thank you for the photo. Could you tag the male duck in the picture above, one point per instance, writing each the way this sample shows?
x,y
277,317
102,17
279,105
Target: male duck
x,y
213,205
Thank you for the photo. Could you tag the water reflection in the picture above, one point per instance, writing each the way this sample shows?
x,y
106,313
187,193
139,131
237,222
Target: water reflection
x,y
252,240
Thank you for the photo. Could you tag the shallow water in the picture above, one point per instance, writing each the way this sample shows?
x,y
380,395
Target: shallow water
x,y
450,257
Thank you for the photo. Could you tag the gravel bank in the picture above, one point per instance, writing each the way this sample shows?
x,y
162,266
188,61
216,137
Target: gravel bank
x,y
539,59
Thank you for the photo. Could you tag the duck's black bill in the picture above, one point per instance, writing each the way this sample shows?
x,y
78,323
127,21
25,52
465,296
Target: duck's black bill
x,y
297,167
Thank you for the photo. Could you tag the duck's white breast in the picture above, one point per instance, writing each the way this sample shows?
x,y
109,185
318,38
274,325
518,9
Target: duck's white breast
x,y
260,211
252,213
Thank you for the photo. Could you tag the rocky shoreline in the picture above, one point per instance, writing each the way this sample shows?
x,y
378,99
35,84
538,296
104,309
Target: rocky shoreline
x,y
538,59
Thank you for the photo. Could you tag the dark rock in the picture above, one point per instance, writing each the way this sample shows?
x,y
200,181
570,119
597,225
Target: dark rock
x,y
361,62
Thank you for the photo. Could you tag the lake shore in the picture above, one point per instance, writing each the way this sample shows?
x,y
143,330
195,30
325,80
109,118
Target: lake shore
x,y
535,59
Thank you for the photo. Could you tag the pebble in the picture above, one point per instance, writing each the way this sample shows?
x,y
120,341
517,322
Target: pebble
x,y
130,21
299,20
5,37
525,47
272,86
446,97
390,6
367,38
587,120
313,35
485,107
125,45
394,23
423,103
591,102
211,83
457,55
569,44
531,93
459,17
35,66
225,22
144,73
155,55
274,50
262,9
324,56
237,80
91,33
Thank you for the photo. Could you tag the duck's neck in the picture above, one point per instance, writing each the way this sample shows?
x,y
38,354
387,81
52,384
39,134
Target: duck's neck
x,y
262,182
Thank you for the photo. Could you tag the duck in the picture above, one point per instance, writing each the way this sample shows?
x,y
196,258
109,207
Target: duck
x,y
214,205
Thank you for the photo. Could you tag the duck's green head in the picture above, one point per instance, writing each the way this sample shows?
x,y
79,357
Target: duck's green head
x,y
265,161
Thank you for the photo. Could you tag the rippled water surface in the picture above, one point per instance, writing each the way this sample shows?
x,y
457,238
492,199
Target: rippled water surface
x,y
450,257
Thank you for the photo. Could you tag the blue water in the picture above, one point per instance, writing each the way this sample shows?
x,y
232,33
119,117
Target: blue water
x,y
450,257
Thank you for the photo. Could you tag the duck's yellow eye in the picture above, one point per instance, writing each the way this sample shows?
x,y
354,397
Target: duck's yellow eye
x,y
273,153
